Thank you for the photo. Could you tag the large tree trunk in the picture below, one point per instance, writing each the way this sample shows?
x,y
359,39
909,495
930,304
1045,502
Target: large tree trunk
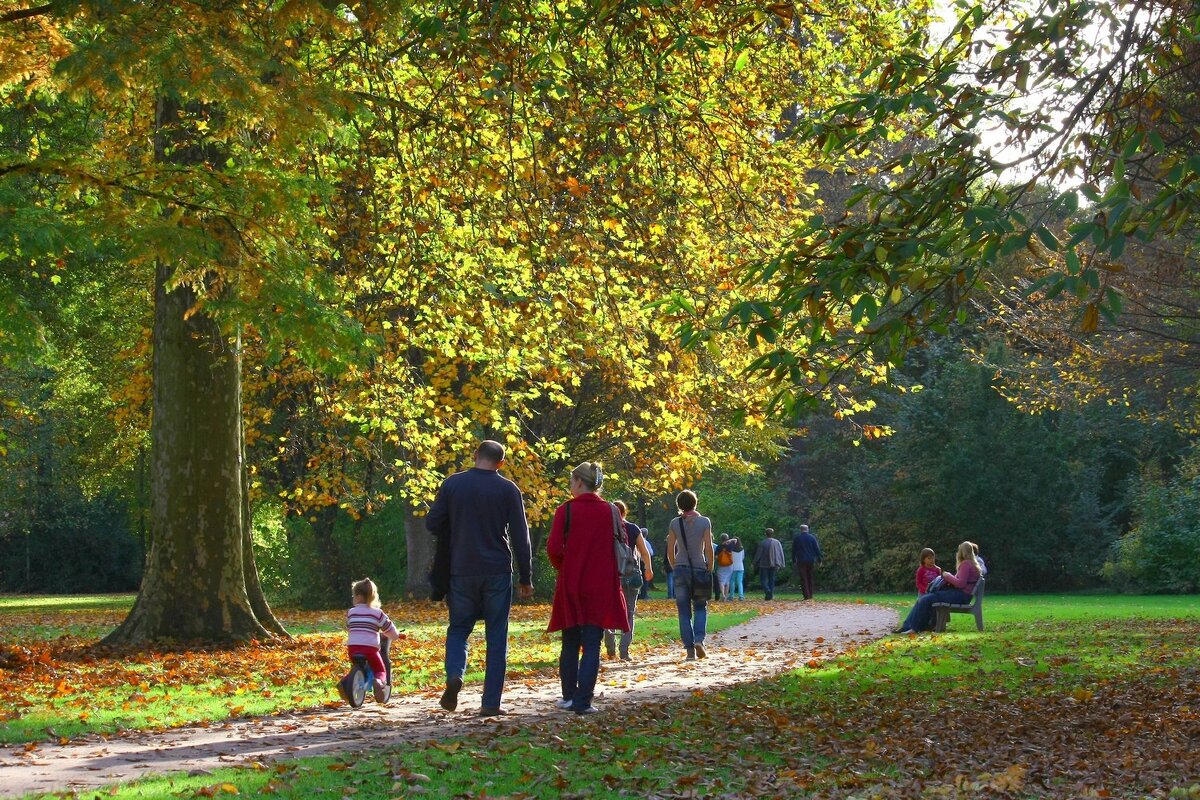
x,y
419,544
200,580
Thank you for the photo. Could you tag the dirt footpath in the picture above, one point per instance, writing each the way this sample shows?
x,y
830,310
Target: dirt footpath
x,y
762,647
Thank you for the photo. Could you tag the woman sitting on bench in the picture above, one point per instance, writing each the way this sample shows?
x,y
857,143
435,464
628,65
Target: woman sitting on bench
x,y
956,590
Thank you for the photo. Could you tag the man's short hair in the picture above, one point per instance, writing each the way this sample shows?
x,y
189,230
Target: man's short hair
x,y
686,500
490,451
770,531
804,529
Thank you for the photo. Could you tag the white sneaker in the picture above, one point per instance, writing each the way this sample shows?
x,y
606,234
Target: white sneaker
x,y
563,704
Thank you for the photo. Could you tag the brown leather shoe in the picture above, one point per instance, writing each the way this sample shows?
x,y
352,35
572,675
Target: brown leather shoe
x,y
449,699
492,712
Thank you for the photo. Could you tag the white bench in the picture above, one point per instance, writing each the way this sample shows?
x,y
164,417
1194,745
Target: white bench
x,y
975,607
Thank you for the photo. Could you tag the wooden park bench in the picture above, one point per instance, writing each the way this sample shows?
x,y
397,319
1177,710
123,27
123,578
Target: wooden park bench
x,y
975,607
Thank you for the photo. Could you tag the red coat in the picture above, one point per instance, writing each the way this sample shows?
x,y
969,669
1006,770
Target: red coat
x,y
588,590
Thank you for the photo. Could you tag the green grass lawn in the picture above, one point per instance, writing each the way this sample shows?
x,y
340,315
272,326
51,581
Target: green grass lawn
x,y
1061,696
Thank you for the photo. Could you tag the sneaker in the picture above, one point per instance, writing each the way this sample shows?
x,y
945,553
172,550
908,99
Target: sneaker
x,y
700,651
450,696
626,657
492,712
691,654
589,710
563,703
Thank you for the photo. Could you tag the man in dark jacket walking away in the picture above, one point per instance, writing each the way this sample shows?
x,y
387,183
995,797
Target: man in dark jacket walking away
x,y
480,516
768,558
806,552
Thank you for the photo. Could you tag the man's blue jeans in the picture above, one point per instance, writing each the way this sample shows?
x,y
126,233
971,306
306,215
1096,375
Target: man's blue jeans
x,y
767,576
693,614
471,599
577,672
670,585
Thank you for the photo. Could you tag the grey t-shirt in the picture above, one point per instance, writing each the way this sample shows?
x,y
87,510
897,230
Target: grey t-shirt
x,y
693,540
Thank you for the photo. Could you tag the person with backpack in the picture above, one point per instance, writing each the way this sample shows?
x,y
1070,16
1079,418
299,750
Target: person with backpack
x,y
631,586
690,554
587,594
737,582
724,555
648,586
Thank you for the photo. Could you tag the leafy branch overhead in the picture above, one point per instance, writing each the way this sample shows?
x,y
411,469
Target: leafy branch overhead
x,y
1057,131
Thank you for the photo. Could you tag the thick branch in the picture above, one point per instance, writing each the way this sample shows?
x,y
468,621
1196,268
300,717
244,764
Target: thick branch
x,y
26,13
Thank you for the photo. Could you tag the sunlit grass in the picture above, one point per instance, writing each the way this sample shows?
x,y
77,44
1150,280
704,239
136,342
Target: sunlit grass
x,y
28,603
844,726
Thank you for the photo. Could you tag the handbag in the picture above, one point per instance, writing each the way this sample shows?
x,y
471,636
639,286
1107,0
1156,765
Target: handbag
x,y
629,567
697,580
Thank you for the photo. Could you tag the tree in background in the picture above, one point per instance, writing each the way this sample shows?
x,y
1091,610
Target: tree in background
x,y
182,109
420,223
514,199
1090,98
1044,495
1161,551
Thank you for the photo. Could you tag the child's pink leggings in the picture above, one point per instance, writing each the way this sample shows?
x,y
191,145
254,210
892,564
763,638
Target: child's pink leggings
x,y
374,660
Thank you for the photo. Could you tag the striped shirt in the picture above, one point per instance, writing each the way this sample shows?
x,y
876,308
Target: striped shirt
x,y
366,624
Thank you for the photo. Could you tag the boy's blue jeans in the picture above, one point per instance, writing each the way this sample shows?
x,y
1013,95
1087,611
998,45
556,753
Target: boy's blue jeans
x,y
471,599
693,614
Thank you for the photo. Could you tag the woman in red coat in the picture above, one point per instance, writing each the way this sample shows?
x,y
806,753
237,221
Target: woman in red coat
x,y
587,595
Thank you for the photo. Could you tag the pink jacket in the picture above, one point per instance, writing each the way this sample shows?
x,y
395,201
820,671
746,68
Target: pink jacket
x,y
924,576
966,577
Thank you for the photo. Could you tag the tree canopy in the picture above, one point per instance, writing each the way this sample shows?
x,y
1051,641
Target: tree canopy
x,y
1057,129
368,235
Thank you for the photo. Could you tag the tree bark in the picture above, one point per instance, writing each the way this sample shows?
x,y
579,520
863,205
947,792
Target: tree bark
x,y
200,580
419,548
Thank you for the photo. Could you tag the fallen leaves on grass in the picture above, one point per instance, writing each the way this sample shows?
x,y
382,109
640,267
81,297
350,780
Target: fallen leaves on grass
x,y
76,678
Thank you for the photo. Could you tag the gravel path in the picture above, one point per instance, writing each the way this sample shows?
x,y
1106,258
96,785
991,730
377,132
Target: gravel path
x,y
762,647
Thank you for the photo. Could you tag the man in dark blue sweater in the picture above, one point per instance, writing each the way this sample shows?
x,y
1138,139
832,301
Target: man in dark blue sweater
x,y
481,515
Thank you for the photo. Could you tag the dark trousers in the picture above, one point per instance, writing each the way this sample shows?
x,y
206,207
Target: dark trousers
x,y
766,575
578,672
487,598
920,618
804,573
